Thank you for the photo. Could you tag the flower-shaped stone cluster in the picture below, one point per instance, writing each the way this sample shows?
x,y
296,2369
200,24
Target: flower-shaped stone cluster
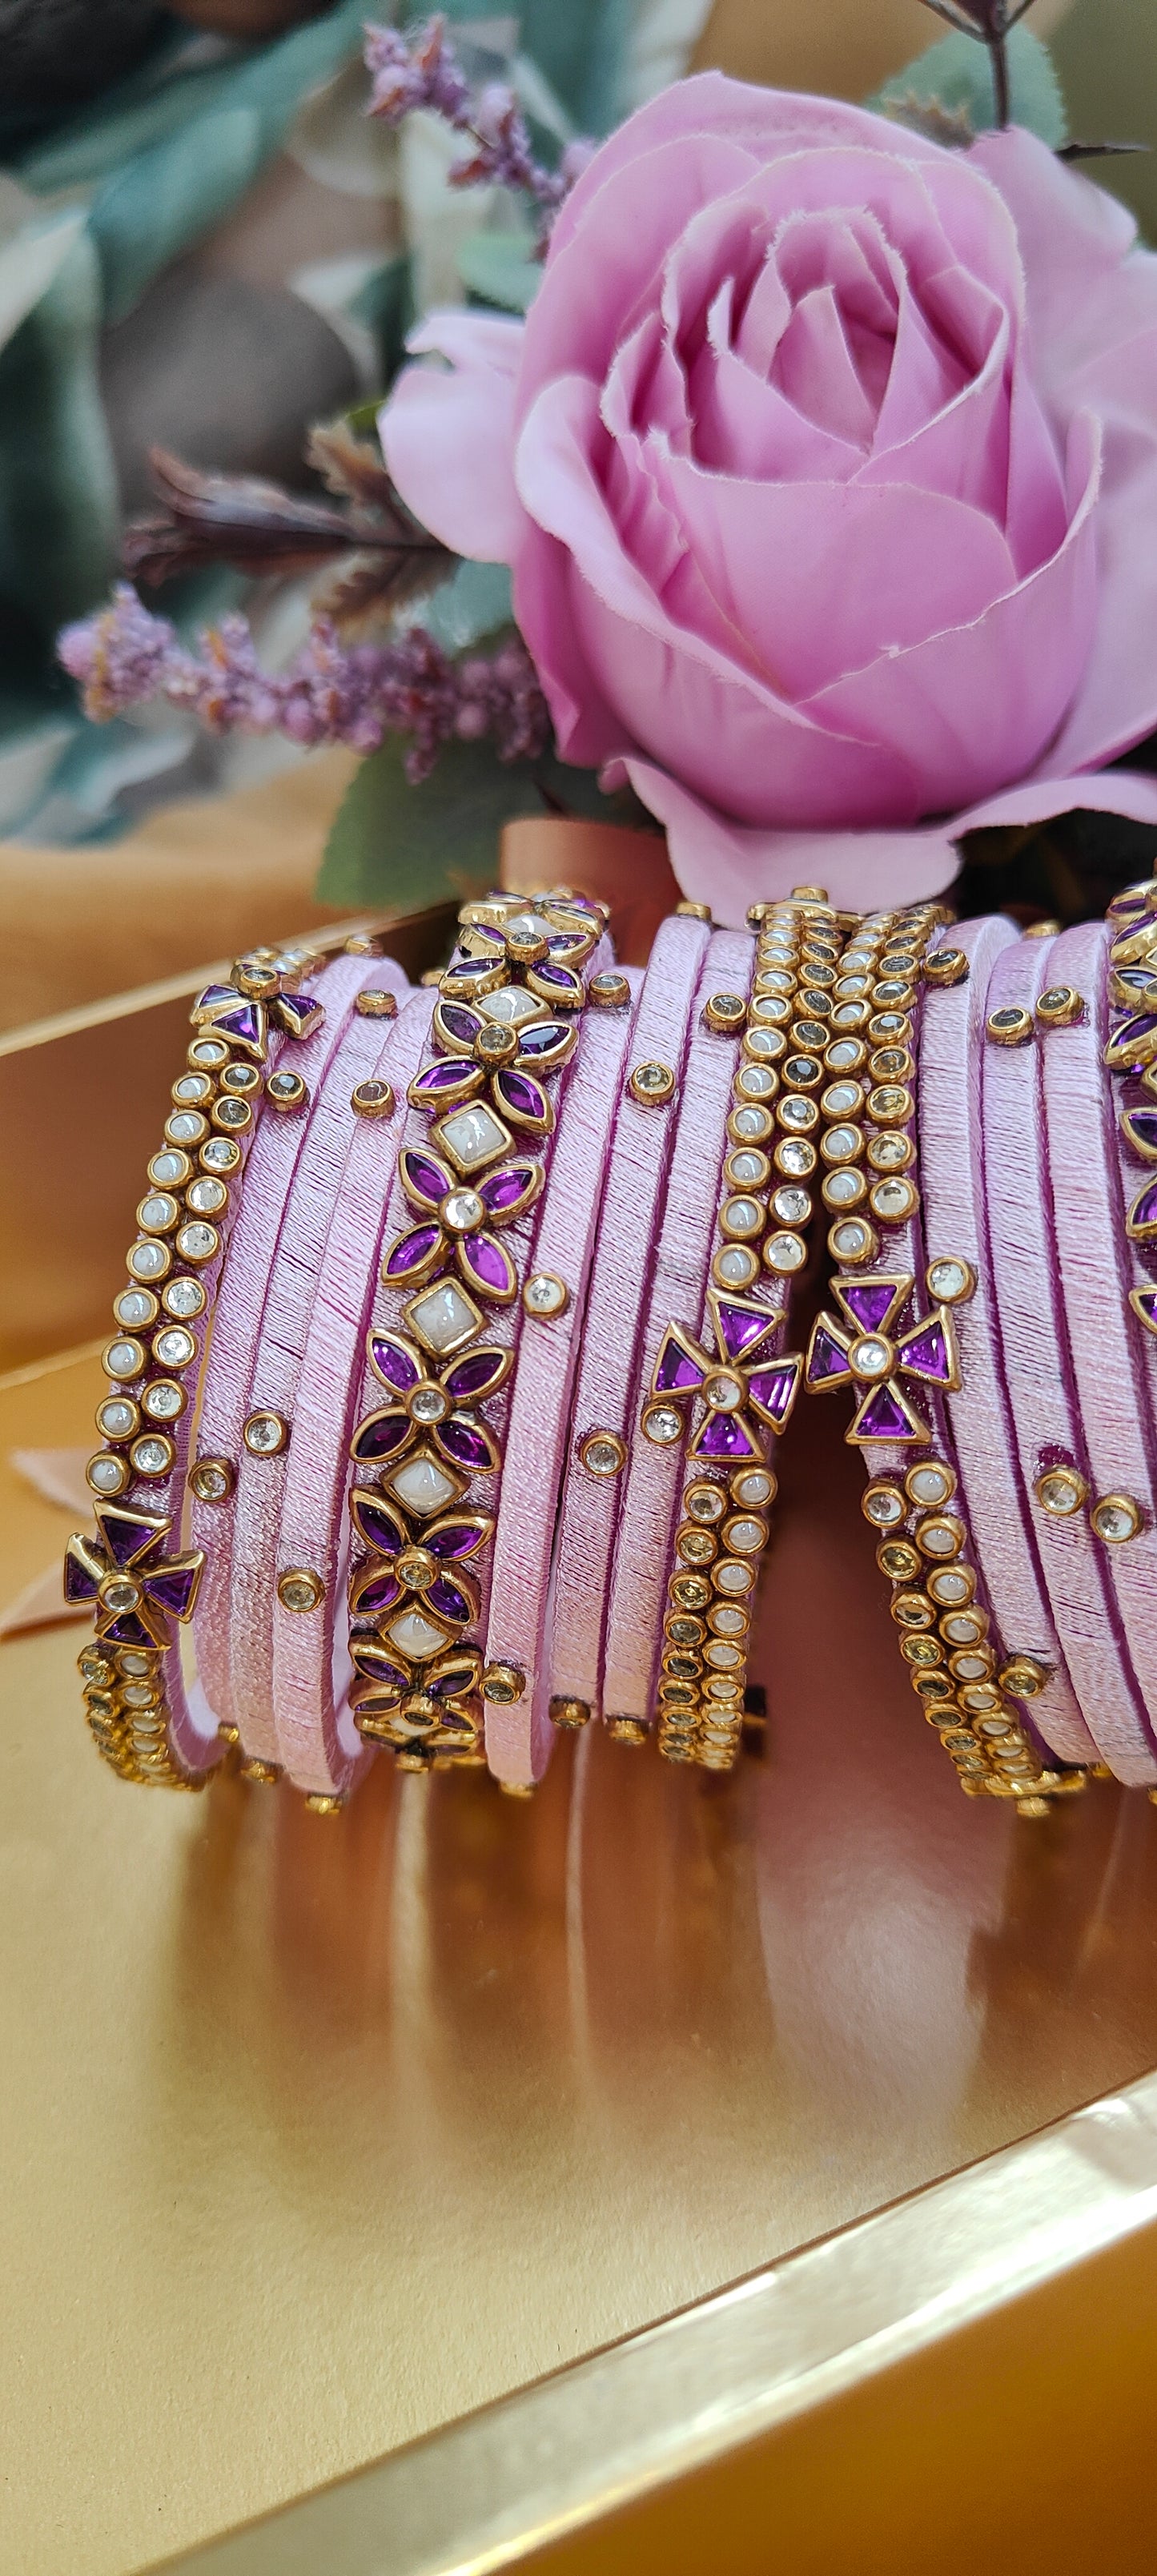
x,y
862,1351
262,993
134,1588
741,1385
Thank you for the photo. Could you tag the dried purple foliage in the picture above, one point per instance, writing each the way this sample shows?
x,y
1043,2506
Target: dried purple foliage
x,y
333,692
422,70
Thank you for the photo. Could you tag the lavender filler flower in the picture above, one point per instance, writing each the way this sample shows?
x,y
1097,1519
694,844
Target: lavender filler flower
x,y
422,70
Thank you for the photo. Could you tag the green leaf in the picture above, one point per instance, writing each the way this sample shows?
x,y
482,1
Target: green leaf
x,y
397,847
498,268
956,77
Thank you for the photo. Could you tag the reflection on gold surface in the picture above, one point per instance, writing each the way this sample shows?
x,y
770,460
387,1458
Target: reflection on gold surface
x,y
317,2133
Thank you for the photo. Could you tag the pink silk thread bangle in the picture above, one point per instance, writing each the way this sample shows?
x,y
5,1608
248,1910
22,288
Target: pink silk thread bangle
x,y
951,1142
1089,1219
519,1737
317,1742
237,1327
654,1473
1043,1412
606,1385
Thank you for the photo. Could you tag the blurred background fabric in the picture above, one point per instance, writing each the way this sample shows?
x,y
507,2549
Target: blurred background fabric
x,y
206,245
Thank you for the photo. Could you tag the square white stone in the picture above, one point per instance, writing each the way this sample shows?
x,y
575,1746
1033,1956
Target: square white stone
x,y
416,1636
472,1136
511,1006
423,1485
444,1318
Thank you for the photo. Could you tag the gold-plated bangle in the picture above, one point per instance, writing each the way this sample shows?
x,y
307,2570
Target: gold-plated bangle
x,y
966,1688
136,1582
744,1383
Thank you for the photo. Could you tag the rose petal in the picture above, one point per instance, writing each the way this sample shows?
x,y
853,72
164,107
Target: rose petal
x,y
447,438
732,864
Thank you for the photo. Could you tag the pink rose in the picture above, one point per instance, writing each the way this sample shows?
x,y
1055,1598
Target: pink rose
x,y
826,464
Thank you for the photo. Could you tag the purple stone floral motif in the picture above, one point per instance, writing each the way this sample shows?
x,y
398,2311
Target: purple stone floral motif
x,y
390,1678
563,985
298,1013
231,1015
374,1590
487,1267
378,1521
424,1179
508,1190
452,1540
727,1380
861,1350
134,1587
461,1438
545,1041
460,1023
456,1675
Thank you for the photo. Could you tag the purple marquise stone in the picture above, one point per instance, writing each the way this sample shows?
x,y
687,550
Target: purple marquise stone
x,y
726,1435
377,1524
562,978
411,1250
79,1584
1139,980
125,1533
1135,1032
378,1592
455,1678
926,1353
422,1176
827,1360
564,943
447,1600
474,1375
472,966
868,1300
484,1261
380,1435
172,1588
676,1372
1143,1213
1146,1300
467,1444
521,1095
504,1188
883,1417
1141,1129
394,1362
452,1538
542,1039
741,1326
447,1074
774,1388
378,1667
463,1024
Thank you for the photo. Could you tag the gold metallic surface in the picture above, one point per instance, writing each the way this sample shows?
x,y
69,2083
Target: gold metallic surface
x,y
312,2141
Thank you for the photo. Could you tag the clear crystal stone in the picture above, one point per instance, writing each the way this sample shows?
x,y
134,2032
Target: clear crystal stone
x,y
444,1318
1116,1521
843,1188
207,1197
764,1043
961,1628
849,987
544,1295
871,1356
970,1668
1059,1495
885,1507
462,1210
283,1086
428,1404
211,1483
148,1260
602,1457
134,1306
947,1280
733,1576
663,1424
198,1242
422,1485
792,1206
184,1297
234,1113
796,1157
299,1591
264,1434
163,1401
220,1154
705,1503
151,1457
416,1636
785,1253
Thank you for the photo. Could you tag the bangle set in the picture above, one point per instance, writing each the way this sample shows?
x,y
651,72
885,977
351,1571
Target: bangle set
x,y
500,1273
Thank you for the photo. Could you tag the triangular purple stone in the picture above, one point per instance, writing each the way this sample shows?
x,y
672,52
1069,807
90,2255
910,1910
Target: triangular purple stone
x,y
926,1353
883,1417
215,994
172,1588
742,1326
1140,1126
126,1533
1143,1213
300,1014
245,1024
726,1435
867,1300
774,1388
128,1631
676,1372
79,1584
827,1361
1144,1304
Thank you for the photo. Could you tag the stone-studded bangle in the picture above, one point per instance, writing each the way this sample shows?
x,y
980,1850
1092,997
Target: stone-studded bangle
x,y
1089,1217
519,1737
235,1431
736,1373
1132,973
293,1267
901,1377
317,1741
441,1345
1026,1001
606,1385
146,1722
653,1466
